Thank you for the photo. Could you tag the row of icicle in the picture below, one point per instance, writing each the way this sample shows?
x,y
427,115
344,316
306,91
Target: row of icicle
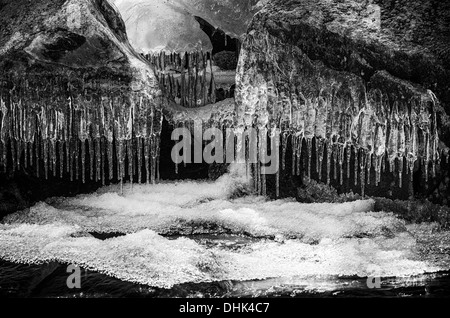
x,y
99,143
186,78
44,140
375,136
389,125
122,141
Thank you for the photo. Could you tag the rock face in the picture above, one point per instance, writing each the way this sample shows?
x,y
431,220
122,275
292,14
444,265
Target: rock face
x,y
366,82
76,101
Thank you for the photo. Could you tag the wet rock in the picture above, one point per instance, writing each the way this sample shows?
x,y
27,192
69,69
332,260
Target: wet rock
x,y
415,211
315,192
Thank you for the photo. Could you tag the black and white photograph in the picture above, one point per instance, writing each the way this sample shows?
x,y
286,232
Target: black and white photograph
x,y
224,153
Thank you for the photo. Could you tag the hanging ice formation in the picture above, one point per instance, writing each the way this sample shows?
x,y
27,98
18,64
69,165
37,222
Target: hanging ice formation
x,y
337,127
349,129
186,78
86,129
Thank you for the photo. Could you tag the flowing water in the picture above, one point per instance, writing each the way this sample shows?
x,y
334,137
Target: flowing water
x,y
199,239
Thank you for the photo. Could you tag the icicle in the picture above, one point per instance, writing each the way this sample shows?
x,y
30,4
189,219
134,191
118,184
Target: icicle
x,y
189,83
377,170
400,172
299,155
284,142
153,171
427,154
362,166
277,184
139,154
77,160
213,83
118,154
38,150
108,158
97,159
68,155
69,136
61,159
277,175
320,148
335,161
129,169
329,151
91,158
258,178
264,184
349,155
341,164
263,147
369,166
183,81
356,165
25,155
102,170
30,152
309,154
3,133
110,139
2,150
154,155
121,152
158,175
83,161
19,153
196,93
71,154
13,153
204,88
147,158
433,169
294,141
45,141
53,156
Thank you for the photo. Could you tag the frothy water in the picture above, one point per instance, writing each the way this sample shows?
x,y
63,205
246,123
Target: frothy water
x,y
195,232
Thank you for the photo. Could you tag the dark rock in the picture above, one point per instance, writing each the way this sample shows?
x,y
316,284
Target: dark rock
x,y
226,60
415,211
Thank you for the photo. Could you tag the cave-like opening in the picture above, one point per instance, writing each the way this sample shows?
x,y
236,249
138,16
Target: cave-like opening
x,y
225,53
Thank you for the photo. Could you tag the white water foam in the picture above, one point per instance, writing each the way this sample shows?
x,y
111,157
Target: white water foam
x,y
311,240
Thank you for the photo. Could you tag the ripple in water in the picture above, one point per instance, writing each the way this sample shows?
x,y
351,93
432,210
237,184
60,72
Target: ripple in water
x,y
190,239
